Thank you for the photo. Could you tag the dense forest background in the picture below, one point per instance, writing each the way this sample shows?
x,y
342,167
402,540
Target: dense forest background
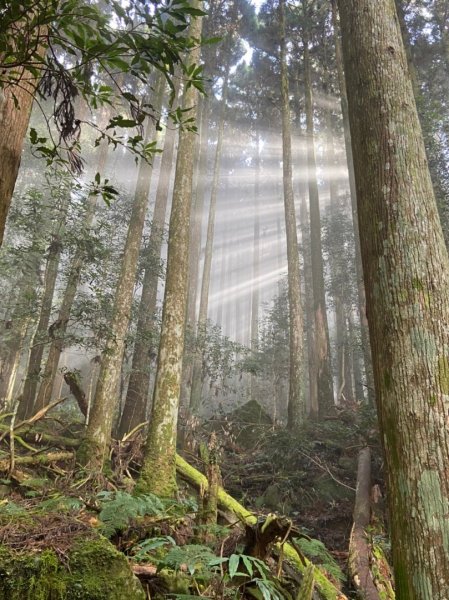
x,y
191,241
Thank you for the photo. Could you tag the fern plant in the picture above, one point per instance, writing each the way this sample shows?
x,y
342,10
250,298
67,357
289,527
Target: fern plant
x,y
118,508
317,552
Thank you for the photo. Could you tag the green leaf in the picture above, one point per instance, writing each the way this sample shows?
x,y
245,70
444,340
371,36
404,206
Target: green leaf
x,y
234,560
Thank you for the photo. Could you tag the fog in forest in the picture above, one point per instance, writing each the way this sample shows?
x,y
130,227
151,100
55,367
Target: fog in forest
x,y
225,228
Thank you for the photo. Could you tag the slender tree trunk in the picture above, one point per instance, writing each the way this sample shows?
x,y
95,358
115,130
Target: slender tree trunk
x,y
158,474
40,337
136,398
312,402
59,327
255,300
321,329
197,378
406,269
295,399
94,447
361,296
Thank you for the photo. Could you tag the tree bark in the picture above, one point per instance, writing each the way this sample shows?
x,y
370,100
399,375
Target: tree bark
x,y
406,270
197,373
321,330
158,474
295,398
40,336
134,411
16,102
93,450
359,551
59,327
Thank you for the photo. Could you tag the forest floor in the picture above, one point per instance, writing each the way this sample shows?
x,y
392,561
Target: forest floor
x,y
309,477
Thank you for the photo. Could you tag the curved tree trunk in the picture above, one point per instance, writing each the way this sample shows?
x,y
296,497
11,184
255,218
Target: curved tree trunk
x,y
134,410
406,270
94,447
158,474
295,399
325,388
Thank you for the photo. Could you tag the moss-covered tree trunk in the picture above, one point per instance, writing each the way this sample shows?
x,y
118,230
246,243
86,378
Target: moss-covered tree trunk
x,y
197,373
325,388
295,397
158,474
361,296
97,437
406,270
60,325
134,410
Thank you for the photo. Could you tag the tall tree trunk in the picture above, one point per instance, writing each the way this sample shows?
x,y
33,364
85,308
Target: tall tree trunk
x,y
406,269
295,398
16,102
312,401
255,300
40,337
361,296
325,386
197,375
59,327
97,437
136,397
158,474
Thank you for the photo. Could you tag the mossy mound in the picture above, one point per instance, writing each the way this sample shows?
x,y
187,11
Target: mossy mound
x,y
246,424
91,570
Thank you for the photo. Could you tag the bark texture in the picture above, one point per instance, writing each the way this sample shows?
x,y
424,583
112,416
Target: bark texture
x,y
321,330
295,399
361,296
134,411
93,450
406,270
158,474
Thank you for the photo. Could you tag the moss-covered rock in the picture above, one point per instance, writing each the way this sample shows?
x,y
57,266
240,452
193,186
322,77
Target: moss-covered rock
x,y
93,570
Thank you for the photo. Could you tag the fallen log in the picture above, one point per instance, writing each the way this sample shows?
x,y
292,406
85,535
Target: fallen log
x,y
327,589
36,459
359,547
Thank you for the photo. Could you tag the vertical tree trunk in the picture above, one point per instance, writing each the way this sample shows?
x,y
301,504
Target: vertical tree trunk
x,y
16,102
158,474
136,397
94,446
312,401
295,398
197,379
59,327
321,330
361,296
40,336
255,300
406,269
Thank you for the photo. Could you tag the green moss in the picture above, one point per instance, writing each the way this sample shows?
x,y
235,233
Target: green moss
x,y
95,570
443,374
